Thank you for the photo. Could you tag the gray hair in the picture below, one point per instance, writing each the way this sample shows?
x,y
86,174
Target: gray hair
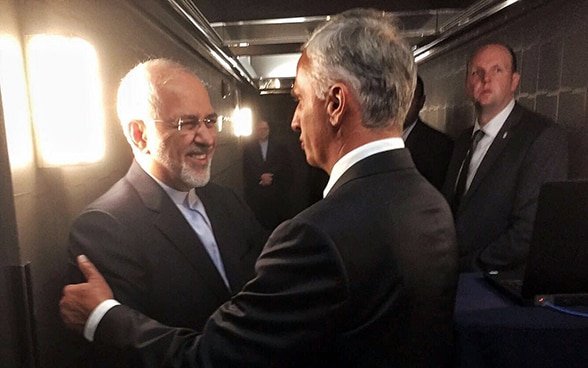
x,y
138,93
363,48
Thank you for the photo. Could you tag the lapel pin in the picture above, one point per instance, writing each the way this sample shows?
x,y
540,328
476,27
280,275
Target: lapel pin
x,y
504,135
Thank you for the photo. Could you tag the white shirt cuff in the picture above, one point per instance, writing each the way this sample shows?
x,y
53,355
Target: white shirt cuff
x,y
96,316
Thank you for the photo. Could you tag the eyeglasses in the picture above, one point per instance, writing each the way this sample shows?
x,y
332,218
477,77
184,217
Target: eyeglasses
x,y
189,124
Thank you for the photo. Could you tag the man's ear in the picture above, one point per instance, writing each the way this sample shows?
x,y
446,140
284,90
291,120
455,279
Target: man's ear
x,y
337,103
137,133
515,81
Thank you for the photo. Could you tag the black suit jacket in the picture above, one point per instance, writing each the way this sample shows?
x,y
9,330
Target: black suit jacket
x,y
153,259
431,151
271,203
364,278
495,219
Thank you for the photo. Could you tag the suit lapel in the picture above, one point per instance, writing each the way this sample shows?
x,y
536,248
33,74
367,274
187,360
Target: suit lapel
x,y
494,151
397,159
270,150
170,221
259,154
230,250
254,152
459,152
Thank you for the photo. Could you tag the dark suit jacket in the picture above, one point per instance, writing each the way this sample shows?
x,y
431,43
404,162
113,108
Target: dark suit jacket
x,y
364,278
270,203
152,258
431,151
495,219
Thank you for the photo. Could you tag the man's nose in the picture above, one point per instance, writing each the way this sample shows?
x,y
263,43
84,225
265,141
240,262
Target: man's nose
x,y
205,134
294,124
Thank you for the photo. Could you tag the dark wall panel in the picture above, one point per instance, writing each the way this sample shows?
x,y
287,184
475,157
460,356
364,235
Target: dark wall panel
x,y
48,199
552,48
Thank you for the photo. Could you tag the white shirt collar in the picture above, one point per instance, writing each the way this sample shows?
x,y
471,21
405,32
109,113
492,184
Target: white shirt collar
x,y
359,154
177,196
495,124
180,199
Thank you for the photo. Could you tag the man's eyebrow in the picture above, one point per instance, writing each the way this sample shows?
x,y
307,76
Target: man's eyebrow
x,y
188,116
192,116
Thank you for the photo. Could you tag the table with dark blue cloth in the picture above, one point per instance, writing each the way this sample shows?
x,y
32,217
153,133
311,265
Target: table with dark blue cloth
x,y
493,331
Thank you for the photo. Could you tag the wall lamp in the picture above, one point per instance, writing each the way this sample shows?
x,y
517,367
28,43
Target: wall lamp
x,y
66,100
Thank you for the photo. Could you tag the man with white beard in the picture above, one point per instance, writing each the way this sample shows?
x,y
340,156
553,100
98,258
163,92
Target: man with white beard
x,y
151,234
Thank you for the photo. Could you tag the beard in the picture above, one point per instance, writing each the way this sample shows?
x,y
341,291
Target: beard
x,y
194,177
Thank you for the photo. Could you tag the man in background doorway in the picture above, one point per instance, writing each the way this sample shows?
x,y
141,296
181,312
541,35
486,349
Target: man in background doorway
x,y
267,172
430,149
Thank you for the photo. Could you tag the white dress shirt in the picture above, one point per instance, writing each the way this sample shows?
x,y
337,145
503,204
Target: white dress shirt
x,y
263,146
191,208
339,169
490,130
359,154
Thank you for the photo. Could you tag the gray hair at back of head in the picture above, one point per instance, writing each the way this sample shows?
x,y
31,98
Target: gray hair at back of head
x,y
138,92
363,48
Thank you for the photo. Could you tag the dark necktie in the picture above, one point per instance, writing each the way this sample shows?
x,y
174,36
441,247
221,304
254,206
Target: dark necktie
x,y
465,168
